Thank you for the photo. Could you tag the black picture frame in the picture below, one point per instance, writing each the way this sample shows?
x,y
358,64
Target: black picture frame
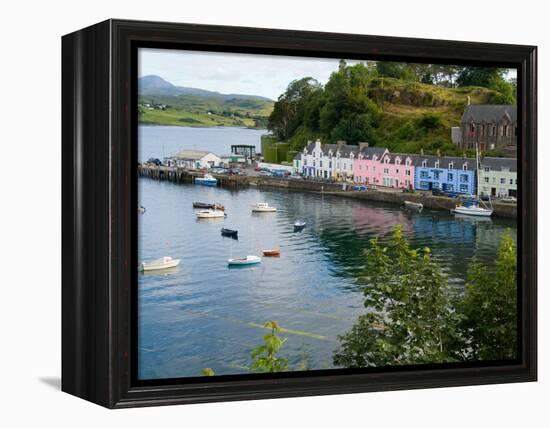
x,y
99,217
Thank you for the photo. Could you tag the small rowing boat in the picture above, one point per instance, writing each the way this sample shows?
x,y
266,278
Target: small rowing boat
x,y
244,261
211,214
162,263
263,207
141,209
299,224
414,205
231,233
271,253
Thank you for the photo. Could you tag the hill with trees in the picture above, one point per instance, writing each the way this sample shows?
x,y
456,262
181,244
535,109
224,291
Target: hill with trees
x,y
405,107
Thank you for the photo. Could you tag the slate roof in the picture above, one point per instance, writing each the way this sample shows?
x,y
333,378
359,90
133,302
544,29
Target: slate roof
x,y
496,164
369,152
444,162
489,113
192,154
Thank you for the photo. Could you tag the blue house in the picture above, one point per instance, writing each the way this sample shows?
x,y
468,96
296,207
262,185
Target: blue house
x,y
449,174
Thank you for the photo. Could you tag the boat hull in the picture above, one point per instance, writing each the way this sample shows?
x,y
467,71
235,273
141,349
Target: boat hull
x,y
414,205
148,267
207,182
478,212
271,253
250,260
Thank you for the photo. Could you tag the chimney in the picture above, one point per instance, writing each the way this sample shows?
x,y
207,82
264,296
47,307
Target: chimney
x,y
438,153
422,152
363,145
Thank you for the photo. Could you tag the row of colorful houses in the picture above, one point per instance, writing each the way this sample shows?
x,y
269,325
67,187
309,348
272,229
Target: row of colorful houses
x,y
376,166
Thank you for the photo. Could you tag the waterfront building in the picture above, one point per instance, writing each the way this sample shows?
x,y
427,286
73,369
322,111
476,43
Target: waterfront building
x,y
366,167
449,174
490,126
327,161
197,159
498,177
377,166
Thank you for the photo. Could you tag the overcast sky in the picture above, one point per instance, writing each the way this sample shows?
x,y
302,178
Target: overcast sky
x,y
227,73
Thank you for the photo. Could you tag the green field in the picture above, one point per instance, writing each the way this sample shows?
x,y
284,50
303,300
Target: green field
x,y
187,110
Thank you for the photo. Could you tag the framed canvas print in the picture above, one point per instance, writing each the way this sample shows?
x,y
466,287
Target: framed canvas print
x,y
253,213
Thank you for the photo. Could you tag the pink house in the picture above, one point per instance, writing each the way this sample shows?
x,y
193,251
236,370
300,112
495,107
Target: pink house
x,y
381,168
366,166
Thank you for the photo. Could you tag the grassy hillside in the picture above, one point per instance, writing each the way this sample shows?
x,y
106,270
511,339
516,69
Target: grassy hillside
x,y
189,110
417,116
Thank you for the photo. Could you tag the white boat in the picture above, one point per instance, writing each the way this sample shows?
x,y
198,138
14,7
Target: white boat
x,y
299,224
414,205
163,263
141,209
210,214
263,207
244,261
473,209
207,180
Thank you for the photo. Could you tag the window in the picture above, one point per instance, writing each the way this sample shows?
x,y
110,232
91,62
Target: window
x,y
464,188
486,169
505,130
423,174
449,177
387,160
397,161
330,164
313,163
320,164
305,162
464,178
386,171
486,179
424,164
408,162
511,181
502,181
494,133
451,165
397,171
436,175
408,172
345,166
464,167
437,164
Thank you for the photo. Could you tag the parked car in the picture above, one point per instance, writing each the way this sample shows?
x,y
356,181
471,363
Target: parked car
x,y
265,173
257,169
437,192
509,200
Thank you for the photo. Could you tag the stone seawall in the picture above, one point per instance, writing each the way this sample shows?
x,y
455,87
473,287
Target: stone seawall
x,y
178,175
399,198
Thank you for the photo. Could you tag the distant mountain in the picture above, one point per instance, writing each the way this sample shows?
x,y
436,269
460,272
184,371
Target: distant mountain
x,y
156,85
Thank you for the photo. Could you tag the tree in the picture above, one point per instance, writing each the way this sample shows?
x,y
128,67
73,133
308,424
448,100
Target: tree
x,y
410,319
489,306
264,356
288,110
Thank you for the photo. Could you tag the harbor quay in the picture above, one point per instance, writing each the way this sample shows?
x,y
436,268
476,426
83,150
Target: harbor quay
x,y
392,196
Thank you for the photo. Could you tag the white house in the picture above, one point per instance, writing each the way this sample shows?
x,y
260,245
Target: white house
x,y
197,159
327,160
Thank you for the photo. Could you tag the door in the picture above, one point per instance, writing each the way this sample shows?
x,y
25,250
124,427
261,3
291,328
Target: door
x,y
493,191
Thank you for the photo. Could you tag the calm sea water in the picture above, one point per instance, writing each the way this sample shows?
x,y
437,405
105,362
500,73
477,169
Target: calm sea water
x,y
163,141
204,314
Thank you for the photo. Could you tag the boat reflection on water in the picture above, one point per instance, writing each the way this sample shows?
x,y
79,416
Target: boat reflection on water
x,y
380,221
472,219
